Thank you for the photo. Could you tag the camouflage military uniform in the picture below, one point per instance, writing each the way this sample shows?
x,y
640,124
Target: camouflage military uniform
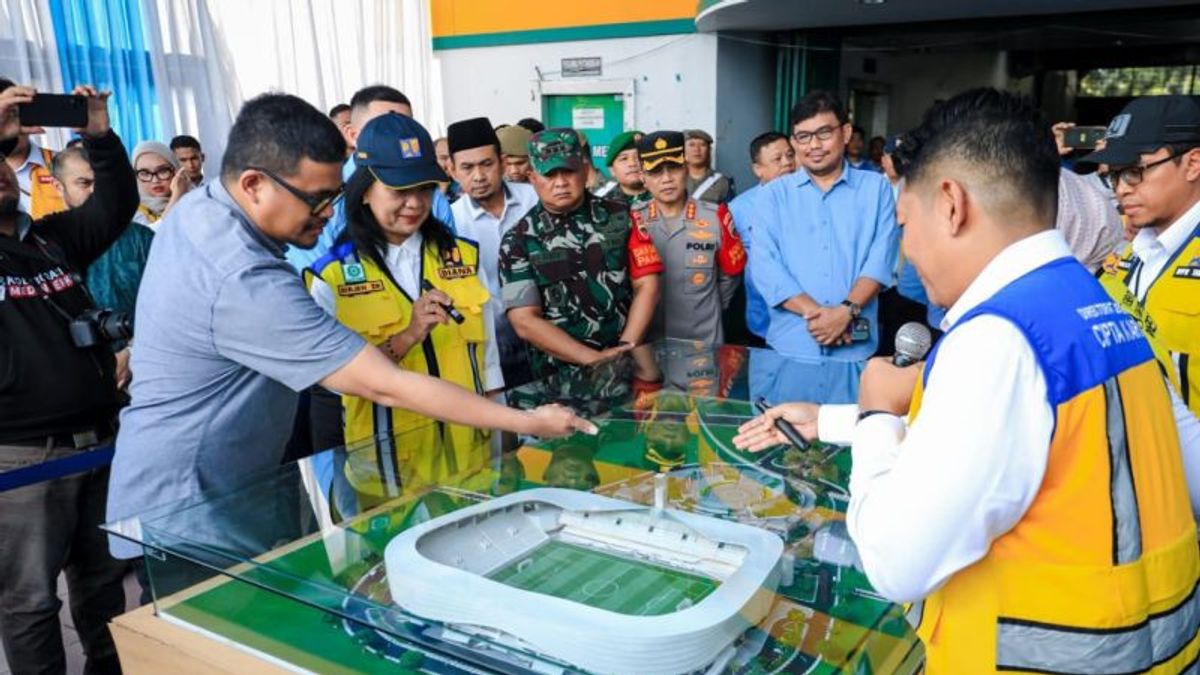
x,y
577,268
612,191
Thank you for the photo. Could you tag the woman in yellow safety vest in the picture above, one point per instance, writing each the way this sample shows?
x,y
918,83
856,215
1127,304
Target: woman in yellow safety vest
x,y
401,279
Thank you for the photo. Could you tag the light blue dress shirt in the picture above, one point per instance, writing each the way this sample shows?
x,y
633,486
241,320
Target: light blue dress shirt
x,y
226,337
743,209
820,243
301,258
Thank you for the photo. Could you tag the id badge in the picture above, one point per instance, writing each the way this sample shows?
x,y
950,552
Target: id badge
x,y
860,330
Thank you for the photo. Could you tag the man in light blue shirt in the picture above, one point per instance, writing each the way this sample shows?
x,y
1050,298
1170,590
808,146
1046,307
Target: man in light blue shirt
x,y
366,104
826,242
771,156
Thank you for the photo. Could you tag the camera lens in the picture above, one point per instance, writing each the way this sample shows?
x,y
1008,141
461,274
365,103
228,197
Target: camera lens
x,y
115,326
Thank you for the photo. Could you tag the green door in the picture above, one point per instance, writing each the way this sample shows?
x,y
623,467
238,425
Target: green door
x,y
599,116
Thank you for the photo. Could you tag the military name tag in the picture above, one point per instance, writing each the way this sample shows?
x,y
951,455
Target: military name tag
x,y
360,289
456,272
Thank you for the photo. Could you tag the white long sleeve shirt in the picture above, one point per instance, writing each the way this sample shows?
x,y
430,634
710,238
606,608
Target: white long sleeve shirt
x,y
929,500
404,263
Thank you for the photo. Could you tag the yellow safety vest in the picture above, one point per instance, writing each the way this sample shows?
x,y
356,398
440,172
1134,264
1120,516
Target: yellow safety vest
x,y
44,198
391,447
1170,315
1100,573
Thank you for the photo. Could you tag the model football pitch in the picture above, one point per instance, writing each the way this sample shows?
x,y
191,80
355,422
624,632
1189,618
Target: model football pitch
x,y
604,581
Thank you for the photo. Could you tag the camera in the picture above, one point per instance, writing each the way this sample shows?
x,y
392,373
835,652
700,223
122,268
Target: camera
x,y
100,326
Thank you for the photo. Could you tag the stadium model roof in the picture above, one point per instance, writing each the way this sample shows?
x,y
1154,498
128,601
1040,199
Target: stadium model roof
x,y
596,582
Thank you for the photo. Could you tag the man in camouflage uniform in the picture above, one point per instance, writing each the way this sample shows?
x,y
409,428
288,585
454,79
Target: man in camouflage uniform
x,y
579,284
626,169
703,182
702,255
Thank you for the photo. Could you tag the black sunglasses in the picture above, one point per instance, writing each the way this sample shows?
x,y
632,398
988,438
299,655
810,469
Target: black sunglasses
x,y
316,203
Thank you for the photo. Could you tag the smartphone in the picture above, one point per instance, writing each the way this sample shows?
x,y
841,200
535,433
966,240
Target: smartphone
x,y
1083,138
54,110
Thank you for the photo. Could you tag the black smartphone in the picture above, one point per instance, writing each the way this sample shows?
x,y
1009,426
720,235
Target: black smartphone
x,y
54,110
1083,138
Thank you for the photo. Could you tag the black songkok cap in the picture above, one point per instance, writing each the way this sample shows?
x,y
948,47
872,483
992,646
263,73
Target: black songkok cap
x,y
473,133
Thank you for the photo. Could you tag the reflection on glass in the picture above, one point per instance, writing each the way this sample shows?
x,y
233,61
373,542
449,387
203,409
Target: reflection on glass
x,y
291,563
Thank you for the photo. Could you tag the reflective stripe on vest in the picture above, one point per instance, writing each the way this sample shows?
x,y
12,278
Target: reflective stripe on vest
x,y
1099,575
1046,648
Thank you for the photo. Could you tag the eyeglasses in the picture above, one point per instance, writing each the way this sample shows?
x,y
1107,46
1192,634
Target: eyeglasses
x,y
316,203
805,137
163,173
1132,175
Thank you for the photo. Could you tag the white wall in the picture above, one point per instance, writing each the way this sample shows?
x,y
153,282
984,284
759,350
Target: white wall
x,y
676,83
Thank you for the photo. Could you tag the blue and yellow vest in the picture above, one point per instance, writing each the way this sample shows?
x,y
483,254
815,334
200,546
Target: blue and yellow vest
x,y
391,448
1100,574
1170,315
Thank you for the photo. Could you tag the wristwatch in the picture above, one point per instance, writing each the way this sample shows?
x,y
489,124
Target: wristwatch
x,y
855,310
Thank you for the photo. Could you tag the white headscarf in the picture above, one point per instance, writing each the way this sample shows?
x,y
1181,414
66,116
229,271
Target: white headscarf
x,y
155,204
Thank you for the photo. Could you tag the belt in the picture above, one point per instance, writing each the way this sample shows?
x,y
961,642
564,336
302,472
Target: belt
x,y
84,438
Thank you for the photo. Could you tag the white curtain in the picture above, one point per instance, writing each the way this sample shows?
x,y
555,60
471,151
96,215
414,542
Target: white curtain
x,y
28,54
209,56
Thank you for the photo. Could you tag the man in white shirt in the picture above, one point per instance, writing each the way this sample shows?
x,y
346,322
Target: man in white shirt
x,y
1011,493
489,207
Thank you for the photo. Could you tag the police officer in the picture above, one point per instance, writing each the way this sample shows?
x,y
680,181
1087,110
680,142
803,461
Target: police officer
x,y
702,254
626,169
703,182
579,284
1152,151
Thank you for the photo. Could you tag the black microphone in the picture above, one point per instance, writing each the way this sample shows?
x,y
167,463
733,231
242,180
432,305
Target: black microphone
x,y
454,313
789,432
912,344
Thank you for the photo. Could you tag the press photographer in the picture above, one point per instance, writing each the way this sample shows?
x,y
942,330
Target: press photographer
x,y
58,399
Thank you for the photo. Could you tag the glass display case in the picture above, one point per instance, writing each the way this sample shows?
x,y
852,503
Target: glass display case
x,y
294,566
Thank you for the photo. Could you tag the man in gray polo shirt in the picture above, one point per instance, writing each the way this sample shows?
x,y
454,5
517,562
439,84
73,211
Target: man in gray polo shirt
x,y
226,333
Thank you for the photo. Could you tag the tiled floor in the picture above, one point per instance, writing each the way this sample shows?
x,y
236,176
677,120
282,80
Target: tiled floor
x,y
70,638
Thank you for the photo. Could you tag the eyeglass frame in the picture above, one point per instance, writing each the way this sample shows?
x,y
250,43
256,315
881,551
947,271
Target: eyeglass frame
x,y
1114,177
822,134
316,205
152,175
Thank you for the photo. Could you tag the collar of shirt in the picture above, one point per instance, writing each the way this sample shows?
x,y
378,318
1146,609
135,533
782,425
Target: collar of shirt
x,y
34,158
404,253
1147,245
848,177
476,210
1018,259
216,190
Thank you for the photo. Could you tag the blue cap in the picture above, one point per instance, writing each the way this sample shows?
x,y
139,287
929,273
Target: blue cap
x,y
399,152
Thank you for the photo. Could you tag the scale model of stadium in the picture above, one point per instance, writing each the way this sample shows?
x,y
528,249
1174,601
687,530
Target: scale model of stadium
x,y
599,583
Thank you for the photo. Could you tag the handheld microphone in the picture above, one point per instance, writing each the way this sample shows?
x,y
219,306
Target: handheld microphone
x,y
912,344
454,313
789,432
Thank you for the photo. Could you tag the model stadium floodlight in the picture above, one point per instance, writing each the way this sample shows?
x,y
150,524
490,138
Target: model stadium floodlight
x,y
599,583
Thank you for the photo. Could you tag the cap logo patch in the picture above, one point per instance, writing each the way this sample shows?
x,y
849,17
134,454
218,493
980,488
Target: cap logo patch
x,y
1119,124
410,148
660,144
